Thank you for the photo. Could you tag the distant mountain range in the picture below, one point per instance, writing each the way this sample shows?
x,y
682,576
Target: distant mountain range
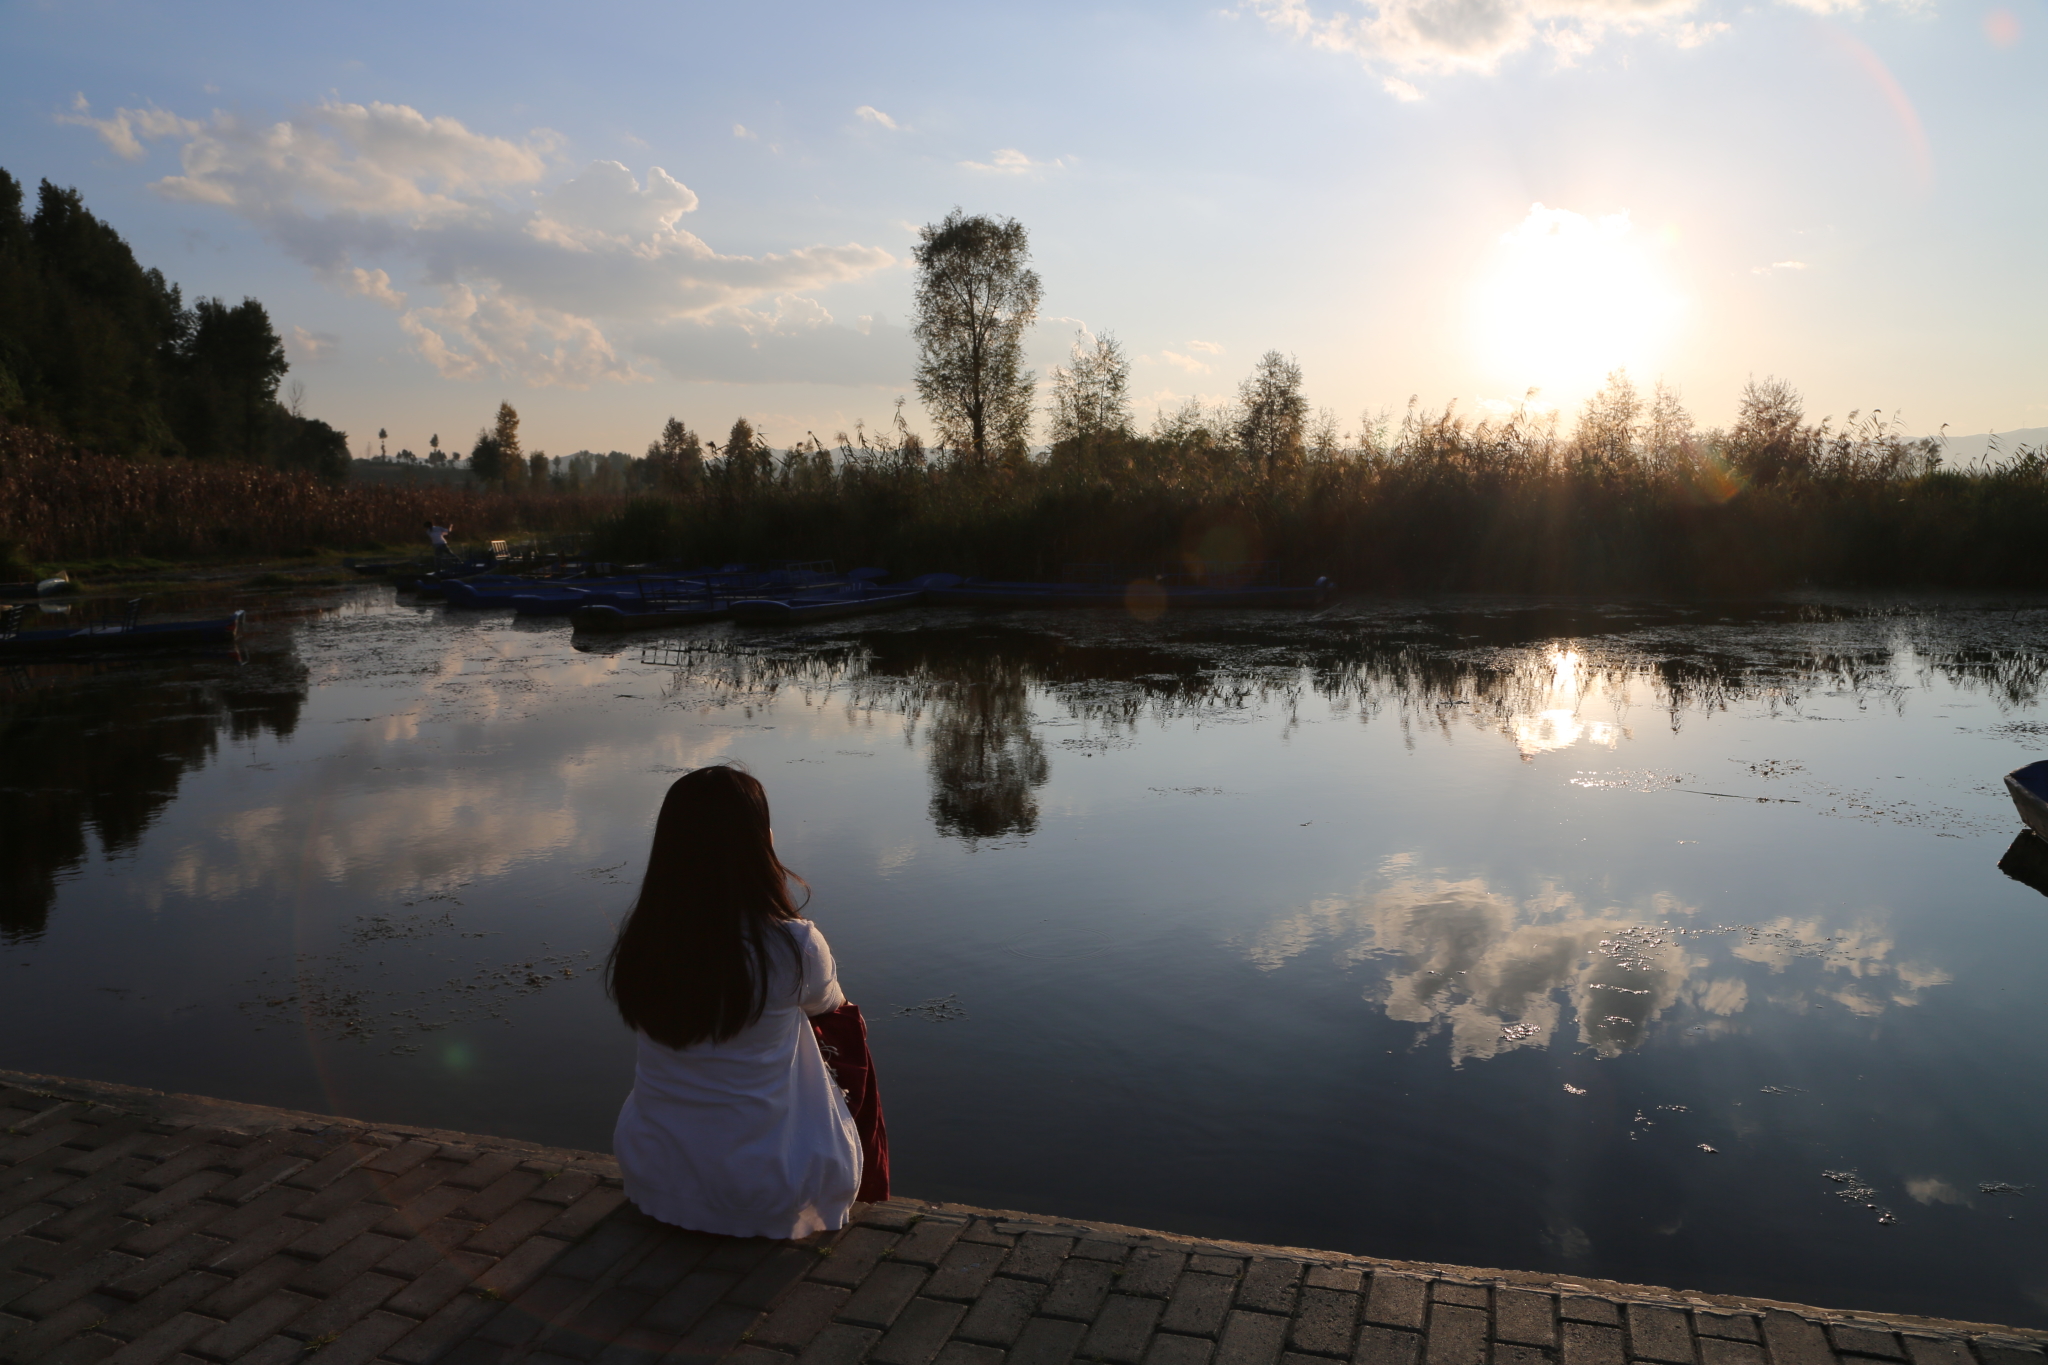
x,y
1961,452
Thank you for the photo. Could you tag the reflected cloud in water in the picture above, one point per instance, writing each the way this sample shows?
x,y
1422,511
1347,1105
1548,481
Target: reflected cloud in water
x,y
1493,973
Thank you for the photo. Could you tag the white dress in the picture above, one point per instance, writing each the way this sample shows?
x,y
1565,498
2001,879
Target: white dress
x,y
749,1137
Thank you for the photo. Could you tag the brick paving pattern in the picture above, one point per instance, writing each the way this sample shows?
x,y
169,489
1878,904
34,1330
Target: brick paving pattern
x,y
138,1228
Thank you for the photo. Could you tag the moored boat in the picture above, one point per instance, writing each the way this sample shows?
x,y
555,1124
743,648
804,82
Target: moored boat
x,y
857,599
607,618
59,582
1143,595
2029,788
125,635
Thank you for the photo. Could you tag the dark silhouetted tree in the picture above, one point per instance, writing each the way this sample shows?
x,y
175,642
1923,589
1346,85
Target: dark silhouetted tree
x,y
99,350
976,299
1770,440
1090,398
233,363
511,459
675,459
1273,416
486,459
746,464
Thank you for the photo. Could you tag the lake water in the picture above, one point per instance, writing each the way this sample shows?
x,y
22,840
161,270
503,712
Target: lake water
x,y
1665,943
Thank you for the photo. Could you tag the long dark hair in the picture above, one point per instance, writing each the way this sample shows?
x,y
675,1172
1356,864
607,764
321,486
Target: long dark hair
x,y
691,962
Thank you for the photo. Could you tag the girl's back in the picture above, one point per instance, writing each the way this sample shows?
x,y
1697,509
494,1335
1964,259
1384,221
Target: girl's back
x,y
735,1124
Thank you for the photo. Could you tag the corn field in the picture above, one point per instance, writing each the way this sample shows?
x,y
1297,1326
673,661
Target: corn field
x,y
58,504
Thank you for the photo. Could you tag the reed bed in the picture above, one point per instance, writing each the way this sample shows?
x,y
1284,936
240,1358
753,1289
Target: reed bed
x,y
1435,503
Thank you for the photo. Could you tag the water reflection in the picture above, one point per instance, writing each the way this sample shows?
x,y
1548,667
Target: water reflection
x,y
382,913
101,749
985,694
986,762
1494,973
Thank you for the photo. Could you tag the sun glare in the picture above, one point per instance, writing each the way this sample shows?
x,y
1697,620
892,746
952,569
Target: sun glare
x,y
1566,298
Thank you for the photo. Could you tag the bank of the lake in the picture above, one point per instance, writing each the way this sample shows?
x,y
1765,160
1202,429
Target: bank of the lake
x,y
146,1227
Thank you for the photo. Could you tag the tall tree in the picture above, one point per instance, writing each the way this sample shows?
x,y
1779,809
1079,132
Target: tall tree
x,y
676,458
233,363
1771,439
87,336
976,299
1090,398
746,464
1608,432
511,459
1273,414
486,458
98,349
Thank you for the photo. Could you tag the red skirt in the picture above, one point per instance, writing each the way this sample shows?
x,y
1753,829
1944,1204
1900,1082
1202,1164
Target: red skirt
x,y
843,1038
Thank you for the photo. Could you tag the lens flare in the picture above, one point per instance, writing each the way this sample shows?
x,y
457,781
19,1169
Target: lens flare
x,y
1913,136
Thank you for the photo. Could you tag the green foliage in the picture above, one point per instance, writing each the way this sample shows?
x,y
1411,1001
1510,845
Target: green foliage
x,y
487,460
1090,397
1273,415
976,300
307,445
676,458
104,352
511,459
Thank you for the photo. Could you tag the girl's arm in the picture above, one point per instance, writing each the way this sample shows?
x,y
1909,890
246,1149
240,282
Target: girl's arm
x,y
821,992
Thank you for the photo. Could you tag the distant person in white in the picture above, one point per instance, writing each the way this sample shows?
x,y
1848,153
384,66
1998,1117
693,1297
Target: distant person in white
x,y
438,534
735,1124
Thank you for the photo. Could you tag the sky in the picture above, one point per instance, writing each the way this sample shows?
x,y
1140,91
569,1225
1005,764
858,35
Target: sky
x,y
613,213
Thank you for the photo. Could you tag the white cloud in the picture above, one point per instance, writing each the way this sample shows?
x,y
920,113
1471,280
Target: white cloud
x,y
533,281
310,347
792,338
867,113
1443,36
740,130
126,129
374,285
1206,347
1010,161
1185,362
476,331
1777,265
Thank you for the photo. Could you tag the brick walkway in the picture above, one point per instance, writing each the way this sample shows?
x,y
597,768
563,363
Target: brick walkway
x,y
137,1227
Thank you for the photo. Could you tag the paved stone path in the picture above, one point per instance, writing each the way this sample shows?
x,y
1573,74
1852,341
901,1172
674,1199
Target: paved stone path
x,y
137,1227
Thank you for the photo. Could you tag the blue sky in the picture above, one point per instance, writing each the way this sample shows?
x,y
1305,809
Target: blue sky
x,y
612,213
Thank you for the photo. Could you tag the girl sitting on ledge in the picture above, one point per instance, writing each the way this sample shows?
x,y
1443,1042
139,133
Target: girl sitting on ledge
x,y
736,1123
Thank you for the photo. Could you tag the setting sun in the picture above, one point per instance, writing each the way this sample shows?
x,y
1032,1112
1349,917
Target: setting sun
x,y
1566,298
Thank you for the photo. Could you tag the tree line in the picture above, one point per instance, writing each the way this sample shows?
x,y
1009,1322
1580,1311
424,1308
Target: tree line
x,y
100,350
